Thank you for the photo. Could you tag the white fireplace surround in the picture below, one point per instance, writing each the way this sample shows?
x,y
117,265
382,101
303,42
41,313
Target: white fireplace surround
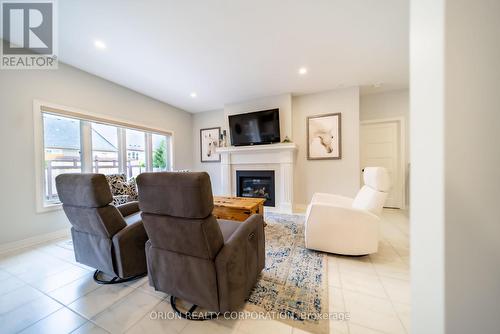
x,y
278,157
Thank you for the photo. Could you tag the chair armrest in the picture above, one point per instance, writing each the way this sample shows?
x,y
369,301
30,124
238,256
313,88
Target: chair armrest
x,y
337,200
341,230
129,208
129,246
239,263
331,211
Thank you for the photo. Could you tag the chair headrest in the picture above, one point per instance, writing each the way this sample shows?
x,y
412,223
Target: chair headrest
x,y
377,178
82,189
185,195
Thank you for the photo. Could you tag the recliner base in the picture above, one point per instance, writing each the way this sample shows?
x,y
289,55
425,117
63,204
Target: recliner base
x,y
188,315
115,280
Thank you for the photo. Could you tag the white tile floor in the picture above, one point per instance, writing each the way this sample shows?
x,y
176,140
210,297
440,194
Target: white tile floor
x,y
43,290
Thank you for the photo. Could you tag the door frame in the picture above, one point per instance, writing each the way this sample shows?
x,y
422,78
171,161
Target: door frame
x,y
401,121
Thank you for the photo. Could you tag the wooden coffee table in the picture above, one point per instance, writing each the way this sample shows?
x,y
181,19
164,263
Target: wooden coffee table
x,y
237,208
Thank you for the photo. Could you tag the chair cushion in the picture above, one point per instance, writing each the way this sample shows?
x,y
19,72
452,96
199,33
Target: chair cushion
x,y
377,178
370,200
134,218
115,183
121,199
227,228
183,195
83,190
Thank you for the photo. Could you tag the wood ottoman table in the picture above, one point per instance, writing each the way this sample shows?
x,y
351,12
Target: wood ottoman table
x,y
237,208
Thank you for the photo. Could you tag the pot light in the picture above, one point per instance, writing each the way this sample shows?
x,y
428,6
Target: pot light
x,y
302,70
193,95
99,44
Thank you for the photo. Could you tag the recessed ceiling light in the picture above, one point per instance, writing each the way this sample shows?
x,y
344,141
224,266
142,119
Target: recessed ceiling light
x,y
302,70
193,95
99,44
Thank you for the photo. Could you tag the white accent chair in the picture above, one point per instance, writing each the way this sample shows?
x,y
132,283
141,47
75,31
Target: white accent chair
x,y
342,225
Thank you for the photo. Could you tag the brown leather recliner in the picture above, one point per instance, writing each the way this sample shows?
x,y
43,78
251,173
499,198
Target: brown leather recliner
x,y
108,238
192,255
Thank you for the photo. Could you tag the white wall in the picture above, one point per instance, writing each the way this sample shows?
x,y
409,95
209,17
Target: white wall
x,y
208,119
455,75
471,166
331,176
384,105
71,87
427,151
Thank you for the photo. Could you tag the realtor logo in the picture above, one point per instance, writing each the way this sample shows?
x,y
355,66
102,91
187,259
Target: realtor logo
x,y
28,32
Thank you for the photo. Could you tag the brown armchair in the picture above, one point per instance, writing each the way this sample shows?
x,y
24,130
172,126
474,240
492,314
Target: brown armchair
x,y
108,238
190,254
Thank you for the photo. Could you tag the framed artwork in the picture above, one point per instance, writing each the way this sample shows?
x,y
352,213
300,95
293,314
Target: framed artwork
x,y
209,141
324,139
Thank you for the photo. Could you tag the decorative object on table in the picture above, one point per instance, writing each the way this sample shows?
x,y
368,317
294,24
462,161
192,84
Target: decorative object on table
x,y
123,190
295,280
286,140
324,140
209,141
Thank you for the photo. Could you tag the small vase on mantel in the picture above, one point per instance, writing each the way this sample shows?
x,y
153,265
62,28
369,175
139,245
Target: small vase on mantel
x,y
223,139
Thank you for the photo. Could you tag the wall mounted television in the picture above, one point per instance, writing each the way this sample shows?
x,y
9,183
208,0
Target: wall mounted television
x,y
255,128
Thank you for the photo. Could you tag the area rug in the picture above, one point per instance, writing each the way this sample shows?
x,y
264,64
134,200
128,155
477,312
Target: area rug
x,y
294,284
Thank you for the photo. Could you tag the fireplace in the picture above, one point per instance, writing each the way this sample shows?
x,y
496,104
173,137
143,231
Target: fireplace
x,y
258,183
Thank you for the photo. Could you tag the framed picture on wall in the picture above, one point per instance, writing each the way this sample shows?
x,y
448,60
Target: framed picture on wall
x,y
324,139
209,141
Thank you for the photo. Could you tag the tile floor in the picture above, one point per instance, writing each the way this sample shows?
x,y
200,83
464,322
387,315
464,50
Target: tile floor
x,y
43,290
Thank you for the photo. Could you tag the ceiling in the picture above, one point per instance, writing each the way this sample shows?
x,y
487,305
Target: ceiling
x,y
232,50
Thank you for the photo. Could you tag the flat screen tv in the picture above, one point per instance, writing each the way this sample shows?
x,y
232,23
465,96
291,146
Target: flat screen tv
x,y
254,128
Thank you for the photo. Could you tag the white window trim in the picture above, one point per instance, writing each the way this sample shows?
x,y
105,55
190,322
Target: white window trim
x,y
41,205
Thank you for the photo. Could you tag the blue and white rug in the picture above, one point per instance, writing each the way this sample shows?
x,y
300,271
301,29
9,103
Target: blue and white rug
x,y
294,282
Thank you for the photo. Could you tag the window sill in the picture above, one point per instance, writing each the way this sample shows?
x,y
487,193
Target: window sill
x,y
49,208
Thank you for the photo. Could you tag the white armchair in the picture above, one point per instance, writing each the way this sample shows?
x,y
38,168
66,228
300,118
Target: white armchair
x,y
342,225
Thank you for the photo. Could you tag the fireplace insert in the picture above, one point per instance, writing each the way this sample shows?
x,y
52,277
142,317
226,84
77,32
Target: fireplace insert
x,y
258,184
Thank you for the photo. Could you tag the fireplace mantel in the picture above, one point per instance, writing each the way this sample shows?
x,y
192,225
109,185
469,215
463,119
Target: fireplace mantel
x,y
279,157
257,148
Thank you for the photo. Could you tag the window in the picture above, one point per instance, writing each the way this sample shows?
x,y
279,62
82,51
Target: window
x,y
105,149
136,152
161,161
61,136
73,143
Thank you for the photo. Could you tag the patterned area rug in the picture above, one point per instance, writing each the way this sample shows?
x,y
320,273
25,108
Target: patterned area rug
x,y
294,283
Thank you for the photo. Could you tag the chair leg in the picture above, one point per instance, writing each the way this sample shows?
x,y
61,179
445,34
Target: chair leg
x,y
189,314
115,280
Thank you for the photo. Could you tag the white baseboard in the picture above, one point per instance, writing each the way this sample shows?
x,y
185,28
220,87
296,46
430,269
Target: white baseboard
x,y
39,239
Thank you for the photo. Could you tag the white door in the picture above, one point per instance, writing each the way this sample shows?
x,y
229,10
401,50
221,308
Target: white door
x,y
381,147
